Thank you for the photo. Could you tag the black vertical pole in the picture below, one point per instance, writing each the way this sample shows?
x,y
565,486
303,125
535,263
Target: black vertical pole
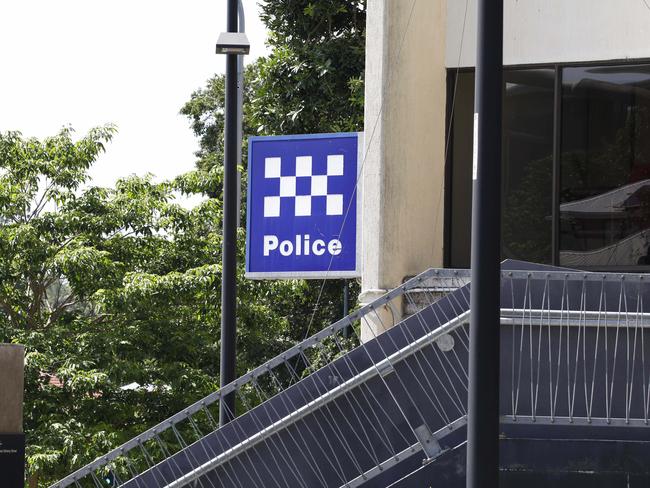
x,y
483,404
229,245
347,331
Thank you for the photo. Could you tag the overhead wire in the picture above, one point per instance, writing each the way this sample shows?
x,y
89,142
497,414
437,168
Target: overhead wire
x,y
375,124
363,163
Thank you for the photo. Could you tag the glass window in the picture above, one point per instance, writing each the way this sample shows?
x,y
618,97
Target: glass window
x,y
526,171
461,168
605,167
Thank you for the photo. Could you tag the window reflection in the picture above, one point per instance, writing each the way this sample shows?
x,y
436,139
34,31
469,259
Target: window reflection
x,y
605,167
527,167
527,170
461,177
604,163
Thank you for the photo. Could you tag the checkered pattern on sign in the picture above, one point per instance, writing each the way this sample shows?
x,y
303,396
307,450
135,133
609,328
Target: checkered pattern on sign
x,y
318,187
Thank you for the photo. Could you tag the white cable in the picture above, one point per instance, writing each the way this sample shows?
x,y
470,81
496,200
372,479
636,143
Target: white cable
x,y
363,163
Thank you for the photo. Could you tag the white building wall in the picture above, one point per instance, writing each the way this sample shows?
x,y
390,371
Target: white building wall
x,y
403,170
550,31
406,97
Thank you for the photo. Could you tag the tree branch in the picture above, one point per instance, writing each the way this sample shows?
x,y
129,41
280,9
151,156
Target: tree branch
x,y
70,301
6,308
41,203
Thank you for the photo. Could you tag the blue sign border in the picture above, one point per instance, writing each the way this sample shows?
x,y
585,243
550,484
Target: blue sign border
x,y
306,274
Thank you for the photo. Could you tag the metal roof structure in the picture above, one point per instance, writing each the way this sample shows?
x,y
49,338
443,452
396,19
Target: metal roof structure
x,y
330,412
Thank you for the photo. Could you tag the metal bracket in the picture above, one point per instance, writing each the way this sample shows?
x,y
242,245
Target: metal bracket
x,y
430,444
385,368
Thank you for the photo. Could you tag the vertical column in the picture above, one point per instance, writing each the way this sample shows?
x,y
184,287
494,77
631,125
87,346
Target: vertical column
x,y
229,245
403,168
483,403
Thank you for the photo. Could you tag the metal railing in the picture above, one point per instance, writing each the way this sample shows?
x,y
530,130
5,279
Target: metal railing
x,y
173,435
334,412
577,348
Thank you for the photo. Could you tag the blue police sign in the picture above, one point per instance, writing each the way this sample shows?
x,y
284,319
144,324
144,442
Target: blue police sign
x,y
302,206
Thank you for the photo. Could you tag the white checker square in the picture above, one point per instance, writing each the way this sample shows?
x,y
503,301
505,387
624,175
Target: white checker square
x,y
303,166
287,186
335,165
271,206
303,205
319,185
272,167
334,205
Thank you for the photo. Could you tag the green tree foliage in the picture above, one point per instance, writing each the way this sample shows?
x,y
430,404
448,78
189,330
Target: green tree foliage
x,y
312,81
120,287
108,288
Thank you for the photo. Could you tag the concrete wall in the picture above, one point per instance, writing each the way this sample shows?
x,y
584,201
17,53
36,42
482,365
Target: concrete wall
x,y
12,363
407,53
549,31
403,173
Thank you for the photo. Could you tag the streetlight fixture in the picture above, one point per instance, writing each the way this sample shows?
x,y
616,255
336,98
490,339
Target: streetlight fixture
x,y
233,44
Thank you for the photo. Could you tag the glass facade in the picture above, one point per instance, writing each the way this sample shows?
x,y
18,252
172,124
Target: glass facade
x,y
605,167
576,165
527,168
460,200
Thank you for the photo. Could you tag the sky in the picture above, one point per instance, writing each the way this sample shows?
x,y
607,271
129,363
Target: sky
x,y
134,63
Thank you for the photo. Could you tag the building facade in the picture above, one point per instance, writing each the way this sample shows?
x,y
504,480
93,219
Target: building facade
x,y
576,137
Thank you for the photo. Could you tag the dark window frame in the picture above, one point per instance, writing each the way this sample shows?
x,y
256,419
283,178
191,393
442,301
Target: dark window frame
x,y
452,74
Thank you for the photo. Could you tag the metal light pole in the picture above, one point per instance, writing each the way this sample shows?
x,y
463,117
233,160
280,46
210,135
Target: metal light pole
x,y
233,44
241,15
483,402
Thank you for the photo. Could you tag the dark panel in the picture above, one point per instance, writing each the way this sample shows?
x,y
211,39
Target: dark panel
x,y
448,471
605,167
12,460
527,174
315,446
290,453
527,166
559,463
461,185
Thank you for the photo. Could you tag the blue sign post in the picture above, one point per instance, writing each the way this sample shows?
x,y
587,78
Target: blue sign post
x,y
302,206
